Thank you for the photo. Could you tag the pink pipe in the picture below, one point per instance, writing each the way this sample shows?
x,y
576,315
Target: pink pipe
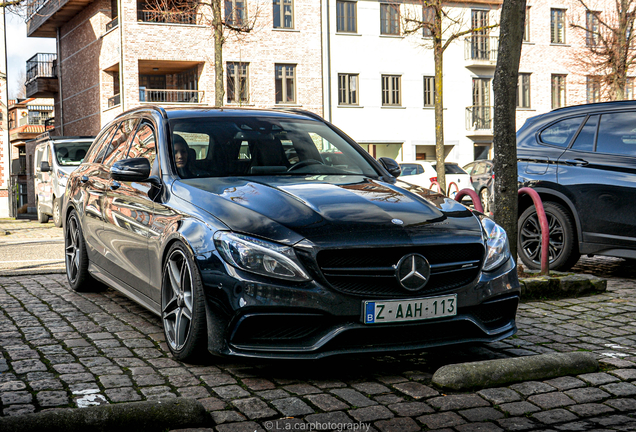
x,y
449,187
543,223
476,200
433,183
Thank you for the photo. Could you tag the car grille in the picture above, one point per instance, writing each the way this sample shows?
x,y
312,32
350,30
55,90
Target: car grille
x,y
371,271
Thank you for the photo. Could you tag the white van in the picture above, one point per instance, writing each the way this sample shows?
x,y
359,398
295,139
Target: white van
x,y
55,158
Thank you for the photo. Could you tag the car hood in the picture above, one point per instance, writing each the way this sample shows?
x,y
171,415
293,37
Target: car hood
x,y
323,209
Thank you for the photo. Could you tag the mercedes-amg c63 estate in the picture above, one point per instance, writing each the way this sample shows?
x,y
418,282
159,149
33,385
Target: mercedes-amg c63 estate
x,y
270,233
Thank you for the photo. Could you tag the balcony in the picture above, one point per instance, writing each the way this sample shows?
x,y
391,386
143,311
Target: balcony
x,y
45,16
481,50
479,121
152,96
166,17
114,101
41,76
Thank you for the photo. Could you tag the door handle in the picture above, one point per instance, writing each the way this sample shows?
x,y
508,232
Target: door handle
x,y
83,179
115,185
577,162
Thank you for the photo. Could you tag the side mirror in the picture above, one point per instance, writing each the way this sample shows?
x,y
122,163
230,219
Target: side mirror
x,y
131,170
45,167
391,166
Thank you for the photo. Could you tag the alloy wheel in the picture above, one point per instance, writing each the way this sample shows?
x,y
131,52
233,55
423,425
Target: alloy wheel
x,y
530,238
177,300
72,249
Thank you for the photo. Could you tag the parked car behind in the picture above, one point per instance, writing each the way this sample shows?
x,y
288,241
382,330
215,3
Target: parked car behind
x,y
55,158
424,173
582,161
283,239
482,177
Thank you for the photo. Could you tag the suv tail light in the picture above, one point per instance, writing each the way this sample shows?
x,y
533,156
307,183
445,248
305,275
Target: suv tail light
x,y
433,179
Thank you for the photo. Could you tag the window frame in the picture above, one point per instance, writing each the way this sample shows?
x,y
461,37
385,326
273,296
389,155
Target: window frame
x,y
344,22
526,26
390,16
429,91
559,90
234,78
232,17
282,5
591,20
284,90
557,26
592,89
389,91
345,94
521,91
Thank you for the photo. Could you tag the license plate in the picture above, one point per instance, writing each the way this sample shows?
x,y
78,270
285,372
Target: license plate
x,y
378,312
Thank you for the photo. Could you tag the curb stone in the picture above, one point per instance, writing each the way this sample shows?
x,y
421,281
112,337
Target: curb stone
x,y
561,285
144,416
495,373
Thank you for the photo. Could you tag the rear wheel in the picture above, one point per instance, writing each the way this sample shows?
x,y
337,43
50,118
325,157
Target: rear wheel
x,y
563,251
182,306
57,212
42,218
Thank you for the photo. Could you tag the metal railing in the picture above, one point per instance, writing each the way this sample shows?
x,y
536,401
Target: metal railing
x,y
481,47
479,117
112,24
113,101
170,96
41,65
168,17
33,7
33,120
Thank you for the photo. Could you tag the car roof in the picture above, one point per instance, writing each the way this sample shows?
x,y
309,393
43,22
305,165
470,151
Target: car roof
x,y
203,112
583,109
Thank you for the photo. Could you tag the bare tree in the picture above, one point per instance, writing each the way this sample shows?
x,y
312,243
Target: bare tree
x,y
444,24
20,92
235,21
609,40
513,14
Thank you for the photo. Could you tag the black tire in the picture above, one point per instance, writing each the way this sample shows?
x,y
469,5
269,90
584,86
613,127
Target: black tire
x,y
182,306
42,218
76,258
484,197
57,212
563,251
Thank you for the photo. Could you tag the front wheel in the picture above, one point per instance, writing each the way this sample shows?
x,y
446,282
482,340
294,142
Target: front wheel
x,y
563,251
76,257
42,217
182,306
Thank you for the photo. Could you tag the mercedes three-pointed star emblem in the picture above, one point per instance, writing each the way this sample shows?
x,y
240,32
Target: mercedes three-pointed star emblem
x,y
413,272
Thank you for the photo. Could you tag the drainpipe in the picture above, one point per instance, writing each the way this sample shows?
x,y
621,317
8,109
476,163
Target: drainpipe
x,y
11,196
59,79
120,17
328,63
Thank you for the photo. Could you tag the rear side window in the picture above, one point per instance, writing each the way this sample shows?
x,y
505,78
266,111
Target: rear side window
x,y
99,147
119,144
144,144
561,133
453,169
617,134
585,140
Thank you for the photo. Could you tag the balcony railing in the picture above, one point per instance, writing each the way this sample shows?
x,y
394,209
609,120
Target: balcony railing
x,y
112,24
33,120
41,65
479,117
481,48
34,7
168,17
170,96
113,101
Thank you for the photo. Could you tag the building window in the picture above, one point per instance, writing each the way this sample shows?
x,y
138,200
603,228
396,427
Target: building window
x,y
285,83
428,19
347,89
237,84
526,28
284,14
391,95
557,26
593,87
346,16
429,91
558,91
523,91
591,28
389,19
235,13
629,89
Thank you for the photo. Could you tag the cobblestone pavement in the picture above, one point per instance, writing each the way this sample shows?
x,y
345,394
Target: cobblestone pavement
x,y
61,349
29,247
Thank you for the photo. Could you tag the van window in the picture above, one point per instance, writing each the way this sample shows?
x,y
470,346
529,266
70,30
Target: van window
x,y
71,153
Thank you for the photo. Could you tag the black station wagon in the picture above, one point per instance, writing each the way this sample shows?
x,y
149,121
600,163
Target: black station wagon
x,y
272,234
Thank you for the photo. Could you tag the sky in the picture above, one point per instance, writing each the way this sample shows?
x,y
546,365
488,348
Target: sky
x,y
20,49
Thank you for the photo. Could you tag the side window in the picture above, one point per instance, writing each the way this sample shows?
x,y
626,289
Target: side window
x,y
479,169
144,144
585,140
617,134
97,145
469,168
408,169
561,133
119,144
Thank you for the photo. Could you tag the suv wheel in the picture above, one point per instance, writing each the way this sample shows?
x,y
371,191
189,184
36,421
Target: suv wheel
x,y
57,212
563,251
42,218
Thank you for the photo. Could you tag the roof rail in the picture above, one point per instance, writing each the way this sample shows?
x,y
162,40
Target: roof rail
x,y
301,111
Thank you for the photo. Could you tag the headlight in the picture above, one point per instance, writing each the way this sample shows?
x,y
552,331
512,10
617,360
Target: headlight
x,y
259,256
497,244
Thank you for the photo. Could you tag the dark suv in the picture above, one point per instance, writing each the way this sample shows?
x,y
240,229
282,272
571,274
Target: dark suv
x,y
582,161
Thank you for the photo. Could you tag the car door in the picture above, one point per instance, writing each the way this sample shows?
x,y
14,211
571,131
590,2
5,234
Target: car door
x,y
129,212
599,172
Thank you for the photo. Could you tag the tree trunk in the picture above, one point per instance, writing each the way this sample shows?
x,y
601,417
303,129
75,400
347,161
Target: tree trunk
x,y
217,24
439,112
505,132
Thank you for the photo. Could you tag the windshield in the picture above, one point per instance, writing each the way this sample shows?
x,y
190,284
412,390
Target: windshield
x,y
251,146
452,169
71,153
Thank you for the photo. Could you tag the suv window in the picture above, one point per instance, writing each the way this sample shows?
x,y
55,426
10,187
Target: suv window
x,y
411,169
144,144
119,144
585,140
617,134
561,133
98,144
